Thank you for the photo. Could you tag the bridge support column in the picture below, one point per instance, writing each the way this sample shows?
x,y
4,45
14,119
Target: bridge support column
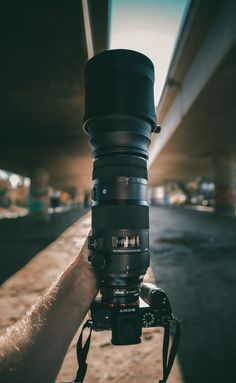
x,y
225,193
39,193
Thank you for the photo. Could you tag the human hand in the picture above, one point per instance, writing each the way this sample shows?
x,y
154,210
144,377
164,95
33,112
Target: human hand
x,y
83,264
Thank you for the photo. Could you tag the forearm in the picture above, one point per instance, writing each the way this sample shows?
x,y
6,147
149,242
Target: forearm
x,y
33,350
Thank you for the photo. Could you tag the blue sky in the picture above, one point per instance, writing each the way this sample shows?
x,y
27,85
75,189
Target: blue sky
x,y
150,27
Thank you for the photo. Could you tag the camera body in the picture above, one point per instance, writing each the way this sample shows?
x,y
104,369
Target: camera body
x,y
153,310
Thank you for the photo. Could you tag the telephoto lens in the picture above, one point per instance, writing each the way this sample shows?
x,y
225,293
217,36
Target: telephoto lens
x,y
119,119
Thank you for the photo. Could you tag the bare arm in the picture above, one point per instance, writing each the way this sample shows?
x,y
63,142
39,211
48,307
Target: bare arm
x,y
34,348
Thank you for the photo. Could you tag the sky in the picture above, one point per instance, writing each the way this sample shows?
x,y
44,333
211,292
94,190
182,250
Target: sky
x,y
150,27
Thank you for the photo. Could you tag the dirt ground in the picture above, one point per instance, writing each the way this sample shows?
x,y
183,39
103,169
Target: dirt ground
x,y
107,363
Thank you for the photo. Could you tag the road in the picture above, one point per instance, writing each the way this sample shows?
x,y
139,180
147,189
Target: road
x,y
194,261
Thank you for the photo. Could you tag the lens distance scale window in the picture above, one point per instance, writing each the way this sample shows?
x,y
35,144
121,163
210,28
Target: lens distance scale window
x,y
125,242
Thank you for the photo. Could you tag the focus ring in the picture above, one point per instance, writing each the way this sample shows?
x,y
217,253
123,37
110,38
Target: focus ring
x,y
120,216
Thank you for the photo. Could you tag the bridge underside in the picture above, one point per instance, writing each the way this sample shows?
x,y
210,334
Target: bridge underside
x,y
42,93
197,107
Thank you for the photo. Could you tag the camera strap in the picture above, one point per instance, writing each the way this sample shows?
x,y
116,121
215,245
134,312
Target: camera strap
x,y
168,357
82,352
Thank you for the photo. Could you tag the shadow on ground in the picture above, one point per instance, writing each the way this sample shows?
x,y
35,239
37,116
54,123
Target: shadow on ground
x,y
194,261
22,238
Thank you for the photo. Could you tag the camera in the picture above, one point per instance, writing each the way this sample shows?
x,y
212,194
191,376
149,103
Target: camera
x,y
153,311
119,119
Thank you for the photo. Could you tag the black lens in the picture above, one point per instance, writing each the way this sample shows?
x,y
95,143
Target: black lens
x,y
119,82
119,119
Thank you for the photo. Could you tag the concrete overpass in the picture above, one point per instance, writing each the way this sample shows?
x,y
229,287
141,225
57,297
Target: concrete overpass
x,y
197,107
43,53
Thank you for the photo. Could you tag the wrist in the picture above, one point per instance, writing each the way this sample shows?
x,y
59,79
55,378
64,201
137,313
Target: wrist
x,y
80,283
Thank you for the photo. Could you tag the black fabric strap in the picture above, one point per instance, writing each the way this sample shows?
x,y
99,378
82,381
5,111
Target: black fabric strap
x,y
168,360
82,352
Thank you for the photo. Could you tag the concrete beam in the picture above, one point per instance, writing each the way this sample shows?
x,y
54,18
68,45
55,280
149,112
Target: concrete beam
x,y
220,38
88,30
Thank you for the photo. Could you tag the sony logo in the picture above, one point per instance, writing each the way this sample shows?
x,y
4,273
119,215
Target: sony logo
x,y
127,310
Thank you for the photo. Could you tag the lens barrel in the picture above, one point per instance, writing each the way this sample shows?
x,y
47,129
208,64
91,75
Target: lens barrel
x,y
119,119
119,82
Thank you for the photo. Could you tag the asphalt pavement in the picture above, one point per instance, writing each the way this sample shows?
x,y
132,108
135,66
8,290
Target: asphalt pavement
x,y
194,261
